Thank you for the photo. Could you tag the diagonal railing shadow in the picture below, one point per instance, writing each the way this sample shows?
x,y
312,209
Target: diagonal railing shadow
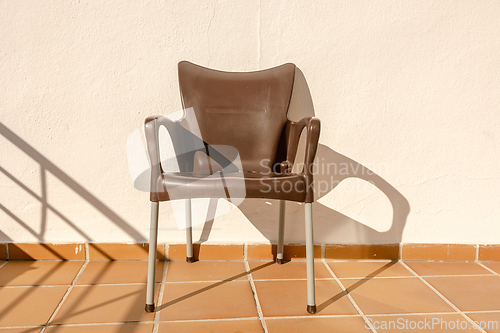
x,y
362,281
320,307
47,166
212,286
15,302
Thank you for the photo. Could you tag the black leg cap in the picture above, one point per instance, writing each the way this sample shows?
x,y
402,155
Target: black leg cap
x,y
280,261
311,309
150,308
190,259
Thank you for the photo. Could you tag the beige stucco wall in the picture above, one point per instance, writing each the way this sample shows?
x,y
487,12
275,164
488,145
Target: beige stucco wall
x,y
409,89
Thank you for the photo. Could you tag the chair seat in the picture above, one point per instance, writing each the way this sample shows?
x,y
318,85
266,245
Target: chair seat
x,y
185,185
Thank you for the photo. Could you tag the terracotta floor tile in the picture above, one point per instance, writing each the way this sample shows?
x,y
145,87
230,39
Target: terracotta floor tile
x,y
206,271
36,273
493,265
427,323
226,326
206,300
289,270
289,298
489,252
360,252
113,251
470,293
356,269
38,251
490,322
317,325
261,251
125,328
395,295
22,306
424,268
206,252
457,252
103,303
21,330
105,272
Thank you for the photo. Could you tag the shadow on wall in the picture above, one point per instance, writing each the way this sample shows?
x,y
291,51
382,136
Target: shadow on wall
x,y
332,170
328,223
47,166
331,226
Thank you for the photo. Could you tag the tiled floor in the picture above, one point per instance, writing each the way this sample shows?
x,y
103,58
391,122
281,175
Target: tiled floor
x,y
249,296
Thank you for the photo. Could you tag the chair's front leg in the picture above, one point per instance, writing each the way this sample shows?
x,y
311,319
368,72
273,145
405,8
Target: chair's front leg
x,y
281,233
189,233
150,302
311,297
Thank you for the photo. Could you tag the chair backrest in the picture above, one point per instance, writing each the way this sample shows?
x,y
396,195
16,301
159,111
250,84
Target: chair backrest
x,y
247,111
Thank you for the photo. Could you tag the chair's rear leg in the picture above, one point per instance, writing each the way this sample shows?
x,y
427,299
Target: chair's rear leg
x,y
281,232
189,233
311,297
153,236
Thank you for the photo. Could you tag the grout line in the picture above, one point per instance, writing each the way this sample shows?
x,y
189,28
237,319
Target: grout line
x,y
444,298
400,251
18,327
273,317
316,316
377,277
208,320
5,263
411,276
42,286
483,311
256,298
87,252
477,253
245,251
358,260
440,260
413,314
73,283
7,253
81,325
257,280
160,297
323,250
252,318
457,275
241,279
80,285
365,318
298,279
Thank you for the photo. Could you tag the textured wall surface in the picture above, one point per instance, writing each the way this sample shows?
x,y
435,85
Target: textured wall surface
x,y
407,92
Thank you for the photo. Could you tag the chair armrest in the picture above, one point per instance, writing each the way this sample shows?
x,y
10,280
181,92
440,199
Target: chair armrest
x,y
293,131
185,143
151,127
186,146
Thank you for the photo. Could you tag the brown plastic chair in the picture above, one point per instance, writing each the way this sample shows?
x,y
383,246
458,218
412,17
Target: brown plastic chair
x,y
247,111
